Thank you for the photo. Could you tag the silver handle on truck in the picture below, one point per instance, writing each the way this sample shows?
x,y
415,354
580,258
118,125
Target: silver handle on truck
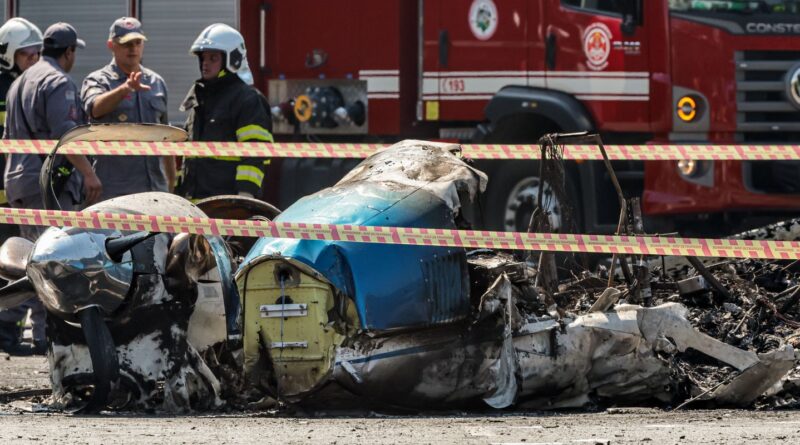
x,y
262,36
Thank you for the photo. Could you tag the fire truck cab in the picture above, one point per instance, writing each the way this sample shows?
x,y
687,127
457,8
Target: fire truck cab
x,y
656,71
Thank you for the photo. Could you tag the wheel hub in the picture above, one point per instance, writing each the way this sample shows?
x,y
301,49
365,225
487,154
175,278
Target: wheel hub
x,y
522,201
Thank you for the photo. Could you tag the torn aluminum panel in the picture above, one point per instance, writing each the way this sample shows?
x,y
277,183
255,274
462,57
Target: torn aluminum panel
x,y
431,166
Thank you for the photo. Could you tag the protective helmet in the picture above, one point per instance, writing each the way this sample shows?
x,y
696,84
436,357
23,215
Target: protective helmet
x,y
221,37
17,33
245,74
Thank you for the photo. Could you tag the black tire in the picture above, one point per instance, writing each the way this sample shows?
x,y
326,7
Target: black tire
x,y
508,175
104,356
512,194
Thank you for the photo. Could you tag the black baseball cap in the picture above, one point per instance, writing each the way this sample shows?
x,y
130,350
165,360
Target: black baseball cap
x,y
62,35
125,29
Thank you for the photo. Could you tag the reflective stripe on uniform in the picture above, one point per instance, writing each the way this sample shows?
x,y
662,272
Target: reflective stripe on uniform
x,y
3,199
218,158
2,117
253,133
250,173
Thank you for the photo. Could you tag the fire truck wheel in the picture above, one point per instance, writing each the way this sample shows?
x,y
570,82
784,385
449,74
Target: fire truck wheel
x,y
512,198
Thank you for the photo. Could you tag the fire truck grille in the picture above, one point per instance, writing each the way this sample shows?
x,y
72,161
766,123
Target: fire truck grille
x,y
765,111
766,114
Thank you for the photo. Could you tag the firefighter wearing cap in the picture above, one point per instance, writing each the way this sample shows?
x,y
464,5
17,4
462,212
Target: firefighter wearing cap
x,y
43,103
125,91
224,107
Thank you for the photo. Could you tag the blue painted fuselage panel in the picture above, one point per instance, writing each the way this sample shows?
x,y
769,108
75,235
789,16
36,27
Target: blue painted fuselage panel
x,y
393,286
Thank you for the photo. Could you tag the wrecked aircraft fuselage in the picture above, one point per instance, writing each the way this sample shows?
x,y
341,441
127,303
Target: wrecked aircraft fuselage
x,y
158,304
308,299
424,326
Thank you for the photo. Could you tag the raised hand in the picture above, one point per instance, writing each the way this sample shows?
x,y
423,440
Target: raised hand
x,y
135,82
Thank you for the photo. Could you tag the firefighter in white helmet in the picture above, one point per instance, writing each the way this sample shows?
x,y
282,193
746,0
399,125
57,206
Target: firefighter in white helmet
x,y
20,48
223,106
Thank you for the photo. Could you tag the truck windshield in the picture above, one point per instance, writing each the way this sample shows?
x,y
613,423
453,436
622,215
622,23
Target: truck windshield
x,y
740,6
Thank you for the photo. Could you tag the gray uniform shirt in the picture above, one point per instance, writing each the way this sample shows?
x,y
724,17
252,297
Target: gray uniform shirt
x,y
42,103
123,175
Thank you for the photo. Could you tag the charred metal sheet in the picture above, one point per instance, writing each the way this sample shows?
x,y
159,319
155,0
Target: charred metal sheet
x,y
430,166
168,303
771,368
606,300
692,285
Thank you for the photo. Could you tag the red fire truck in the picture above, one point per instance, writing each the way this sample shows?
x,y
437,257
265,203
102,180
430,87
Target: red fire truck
x,y
660,71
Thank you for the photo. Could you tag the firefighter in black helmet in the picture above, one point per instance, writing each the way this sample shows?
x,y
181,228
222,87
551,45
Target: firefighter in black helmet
x,y
223,106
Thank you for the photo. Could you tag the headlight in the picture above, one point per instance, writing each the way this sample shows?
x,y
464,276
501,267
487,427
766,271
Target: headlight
x,y
693,169
688,167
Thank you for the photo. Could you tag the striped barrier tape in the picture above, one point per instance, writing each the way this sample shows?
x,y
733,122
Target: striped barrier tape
x,y
607,244
358,151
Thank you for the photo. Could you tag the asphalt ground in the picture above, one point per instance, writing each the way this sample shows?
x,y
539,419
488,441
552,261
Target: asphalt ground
x,y
23,380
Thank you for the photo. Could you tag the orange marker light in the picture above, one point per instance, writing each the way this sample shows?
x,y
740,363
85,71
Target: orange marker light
x,y
303,108
687,109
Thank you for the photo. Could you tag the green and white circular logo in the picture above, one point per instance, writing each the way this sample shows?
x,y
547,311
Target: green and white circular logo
x,y
483,19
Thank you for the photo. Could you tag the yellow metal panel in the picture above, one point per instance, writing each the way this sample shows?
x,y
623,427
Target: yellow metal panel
x,y
298,369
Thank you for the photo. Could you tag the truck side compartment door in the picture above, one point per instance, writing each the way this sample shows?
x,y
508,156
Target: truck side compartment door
x,y
592,55
472,48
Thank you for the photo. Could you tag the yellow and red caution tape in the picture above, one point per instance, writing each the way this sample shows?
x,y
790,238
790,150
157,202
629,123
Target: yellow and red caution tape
x,y
607,244
410,236
358,151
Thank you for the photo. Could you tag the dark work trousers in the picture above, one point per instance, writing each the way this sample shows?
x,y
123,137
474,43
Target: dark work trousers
x,y
18,313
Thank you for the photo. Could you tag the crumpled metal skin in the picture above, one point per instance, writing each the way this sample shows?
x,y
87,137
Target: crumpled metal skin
x,y
411,184
164,323
70,270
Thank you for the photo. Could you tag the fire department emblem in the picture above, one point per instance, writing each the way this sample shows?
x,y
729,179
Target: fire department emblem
x,y
793,86
483,19
597,45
